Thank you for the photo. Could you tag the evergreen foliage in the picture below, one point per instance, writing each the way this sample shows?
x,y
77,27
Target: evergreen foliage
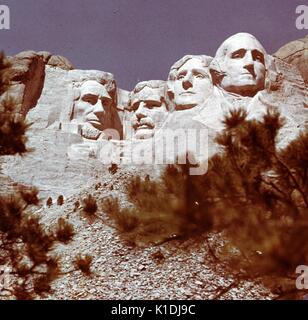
x,y
253,193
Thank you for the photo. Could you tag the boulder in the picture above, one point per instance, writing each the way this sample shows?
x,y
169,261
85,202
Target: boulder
x,y
60,62
296,54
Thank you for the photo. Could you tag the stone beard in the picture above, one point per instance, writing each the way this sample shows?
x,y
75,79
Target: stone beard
x,y
189,83
240,65
92,109
148,103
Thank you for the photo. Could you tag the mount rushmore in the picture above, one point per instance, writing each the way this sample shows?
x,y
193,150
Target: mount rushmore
x,y
73,111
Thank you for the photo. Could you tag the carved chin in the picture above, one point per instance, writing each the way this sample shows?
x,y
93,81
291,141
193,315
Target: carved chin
x,y
89,132
144,134
188,102
244,87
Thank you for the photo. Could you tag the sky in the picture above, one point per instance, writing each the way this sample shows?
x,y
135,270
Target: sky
x,y
139,40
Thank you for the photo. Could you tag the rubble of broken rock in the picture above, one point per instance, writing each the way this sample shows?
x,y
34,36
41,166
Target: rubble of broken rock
x,y
178,269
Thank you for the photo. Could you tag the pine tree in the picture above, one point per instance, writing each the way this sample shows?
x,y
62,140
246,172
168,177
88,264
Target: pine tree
x,y
60,200
253,193
49,202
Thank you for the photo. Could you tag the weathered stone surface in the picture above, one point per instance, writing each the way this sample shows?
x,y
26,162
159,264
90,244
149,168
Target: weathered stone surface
x,y
60,62
55,107
296,53
45,55
122,106
27,77
53,134
49,167
55,60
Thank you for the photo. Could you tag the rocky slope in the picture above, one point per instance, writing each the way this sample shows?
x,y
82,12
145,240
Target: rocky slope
x,y
181,269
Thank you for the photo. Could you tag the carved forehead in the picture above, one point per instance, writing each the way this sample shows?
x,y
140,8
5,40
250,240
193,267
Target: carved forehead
x,y
237,42
192,64
149,90
147,93
152,84
189,62
93,87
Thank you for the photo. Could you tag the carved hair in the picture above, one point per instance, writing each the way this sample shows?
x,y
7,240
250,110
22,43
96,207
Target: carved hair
x,y
109,85
205,60
152,84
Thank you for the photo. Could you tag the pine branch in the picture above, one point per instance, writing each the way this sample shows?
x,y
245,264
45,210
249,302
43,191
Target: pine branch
x,y
297,185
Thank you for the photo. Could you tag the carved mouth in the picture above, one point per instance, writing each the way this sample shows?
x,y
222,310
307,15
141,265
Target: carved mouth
x,y
94,121
187,93
247,74
96,124
144,126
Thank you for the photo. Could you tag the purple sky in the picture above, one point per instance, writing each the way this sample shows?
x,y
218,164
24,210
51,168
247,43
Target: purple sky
x,y
140,39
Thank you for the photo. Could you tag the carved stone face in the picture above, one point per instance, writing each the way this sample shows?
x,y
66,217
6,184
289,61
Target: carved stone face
x,y
150,111
192,84
92,109
242,65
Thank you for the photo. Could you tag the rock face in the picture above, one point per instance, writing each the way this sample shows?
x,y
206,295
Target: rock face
x,y
28,76
65,160
51,170
60,62
296,53
55,60
56,105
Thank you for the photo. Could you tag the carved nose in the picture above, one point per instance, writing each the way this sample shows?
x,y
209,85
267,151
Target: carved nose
x,y
187,84
141,111
249,58
99,108
140,115
251,69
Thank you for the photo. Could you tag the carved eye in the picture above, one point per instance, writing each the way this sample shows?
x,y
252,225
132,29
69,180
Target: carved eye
x,y
180,76
258,56
238,54
90,99
135,106
200,76
106,102
153,104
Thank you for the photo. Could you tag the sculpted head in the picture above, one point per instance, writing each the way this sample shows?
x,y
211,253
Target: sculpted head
x,y
189,82
148,103
92,109
240,65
